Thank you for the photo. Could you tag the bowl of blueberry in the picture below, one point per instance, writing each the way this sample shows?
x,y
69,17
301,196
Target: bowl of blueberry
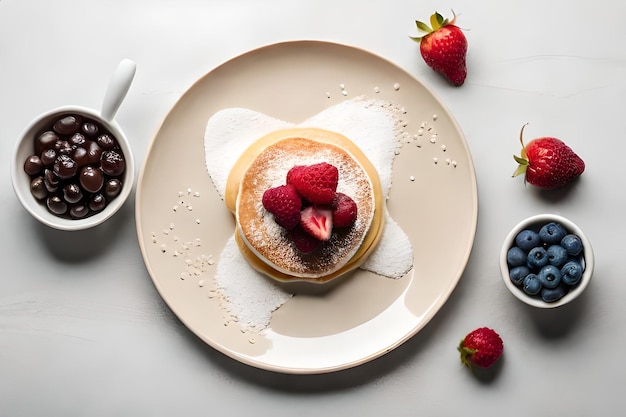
x,y
73,166
546,261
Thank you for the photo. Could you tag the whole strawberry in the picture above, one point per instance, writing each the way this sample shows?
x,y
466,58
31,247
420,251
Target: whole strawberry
x,y
444,48
481,347
548,162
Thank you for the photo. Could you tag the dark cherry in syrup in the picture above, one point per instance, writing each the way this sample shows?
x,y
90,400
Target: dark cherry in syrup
x,y
33,165
68,124
91,179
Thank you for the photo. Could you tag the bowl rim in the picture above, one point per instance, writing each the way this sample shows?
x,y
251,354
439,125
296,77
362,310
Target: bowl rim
x,y
21,182
571,227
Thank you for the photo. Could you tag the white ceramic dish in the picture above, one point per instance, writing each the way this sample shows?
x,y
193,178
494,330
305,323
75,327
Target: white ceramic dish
x,y
114,96
183,225
535,223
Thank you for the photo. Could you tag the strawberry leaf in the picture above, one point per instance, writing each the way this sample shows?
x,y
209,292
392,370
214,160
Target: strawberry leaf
x,y
423,27
521,168
436,21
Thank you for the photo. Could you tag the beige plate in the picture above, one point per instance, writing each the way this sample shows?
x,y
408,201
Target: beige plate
x,y
182,224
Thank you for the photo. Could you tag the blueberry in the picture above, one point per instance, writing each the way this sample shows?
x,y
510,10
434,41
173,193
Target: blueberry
x,y
572,244
537,257
549,276
531,284
557,255
571,272
515,256
518,273
527,239
550,295
552,233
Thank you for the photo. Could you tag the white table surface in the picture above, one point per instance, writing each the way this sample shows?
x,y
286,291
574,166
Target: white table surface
x,y
83,332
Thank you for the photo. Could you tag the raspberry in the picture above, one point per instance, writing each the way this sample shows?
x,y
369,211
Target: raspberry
x,y
284,203
303,241
316,183
344,211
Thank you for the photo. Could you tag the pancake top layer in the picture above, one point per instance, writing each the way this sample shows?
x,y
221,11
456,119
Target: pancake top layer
x,y
266,164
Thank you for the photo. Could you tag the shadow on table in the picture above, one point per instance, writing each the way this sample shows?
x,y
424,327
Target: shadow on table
x,y
334,381
84,245
558,323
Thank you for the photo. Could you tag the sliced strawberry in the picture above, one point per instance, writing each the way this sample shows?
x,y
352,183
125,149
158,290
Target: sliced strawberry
x,y
316,183
344,211
317,222
303,241
284,203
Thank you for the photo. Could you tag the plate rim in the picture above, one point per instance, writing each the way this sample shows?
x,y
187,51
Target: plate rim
x,y
432,311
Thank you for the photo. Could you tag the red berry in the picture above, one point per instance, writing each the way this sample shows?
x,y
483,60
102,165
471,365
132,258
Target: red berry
x,y
444,48
294,173
344,211
481,347
316,183
317,222
284,203
548,162
303,241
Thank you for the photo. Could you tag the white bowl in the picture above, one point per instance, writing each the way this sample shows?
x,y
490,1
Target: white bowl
x,y
115,93
535,223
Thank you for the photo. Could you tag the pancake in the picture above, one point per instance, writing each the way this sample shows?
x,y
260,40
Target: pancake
x,y
264,165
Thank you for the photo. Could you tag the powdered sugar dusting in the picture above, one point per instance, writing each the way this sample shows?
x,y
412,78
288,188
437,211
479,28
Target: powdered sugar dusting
x,y
228,134
248,295
393,257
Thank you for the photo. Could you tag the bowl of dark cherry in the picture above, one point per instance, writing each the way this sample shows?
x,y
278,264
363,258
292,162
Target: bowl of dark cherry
x,y
73,167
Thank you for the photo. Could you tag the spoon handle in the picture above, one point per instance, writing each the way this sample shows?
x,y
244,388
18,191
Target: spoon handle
x,y
117,89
